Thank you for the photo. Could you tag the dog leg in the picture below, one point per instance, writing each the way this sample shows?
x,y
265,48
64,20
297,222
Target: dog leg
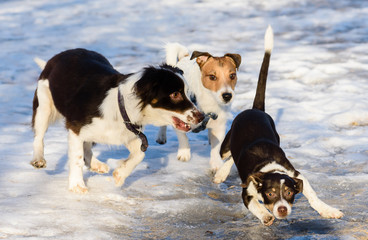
x,y
224,171
44,113
161,135
217,135
261,212
322,208
93,163
184,154
76,163
135,157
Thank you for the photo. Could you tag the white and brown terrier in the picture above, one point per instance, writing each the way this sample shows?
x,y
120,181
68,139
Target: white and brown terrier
x,y
101,105
211,83
269,180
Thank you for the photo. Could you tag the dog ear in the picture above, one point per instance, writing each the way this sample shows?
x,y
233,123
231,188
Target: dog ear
x,y
256,178
298,185
202,57
235,57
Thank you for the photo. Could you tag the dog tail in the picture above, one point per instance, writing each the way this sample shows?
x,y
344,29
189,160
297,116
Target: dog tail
x,y
175,52
259,100
41,63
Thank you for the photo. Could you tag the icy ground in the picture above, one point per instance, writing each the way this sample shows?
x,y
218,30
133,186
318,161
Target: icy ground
x,y
317,94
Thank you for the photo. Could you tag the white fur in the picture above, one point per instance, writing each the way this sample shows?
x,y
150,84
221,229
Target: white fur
x,y
207,101
268,40
258,209
41,63
224,171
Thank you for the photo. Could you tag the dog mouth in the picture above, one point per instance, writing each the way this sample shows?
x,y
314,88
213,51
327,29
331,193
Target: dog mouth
x,y
180,125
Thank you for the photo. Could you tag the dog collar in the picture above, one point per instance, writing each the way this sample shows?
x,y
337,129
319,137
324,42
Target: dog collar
x,y
134,128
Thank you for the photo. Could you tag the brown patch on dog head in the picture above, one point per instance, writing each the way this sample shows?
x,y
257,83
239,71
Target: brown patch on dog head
x,y
218,72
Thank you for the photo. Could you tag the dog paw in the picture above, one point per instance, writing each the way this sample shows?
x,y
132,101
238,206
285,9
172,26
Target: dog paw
x,y
78,189
99,167
330,212
216,164
184,155
161,140
118,178
268,220
38,163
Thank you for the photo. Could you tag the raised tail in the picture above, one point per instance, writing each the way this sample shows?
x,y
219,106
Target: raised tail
x,y
175,52
41,63
259,100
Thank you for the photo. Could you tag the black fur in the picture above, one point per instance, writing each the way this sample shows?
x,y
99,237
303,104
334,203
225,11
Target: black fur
x,y
254,142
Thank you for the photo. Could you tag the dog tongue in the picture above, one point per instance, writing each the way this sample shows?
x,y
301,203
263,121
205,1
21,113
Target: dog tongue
x,y
180,125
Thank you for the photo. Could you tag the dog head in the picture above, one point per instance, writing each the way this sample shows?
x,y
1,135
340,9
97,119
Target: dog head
x,y
163,101
277,191
218,74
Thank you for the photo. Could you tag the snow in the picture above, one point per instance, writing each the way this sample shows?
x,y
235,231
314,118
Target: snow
x,y
317,94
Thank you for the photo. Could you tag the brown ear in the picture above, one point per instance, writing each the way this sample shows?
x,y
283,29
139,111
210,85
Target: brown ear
x,y
202,57
298,185
235,57
256,178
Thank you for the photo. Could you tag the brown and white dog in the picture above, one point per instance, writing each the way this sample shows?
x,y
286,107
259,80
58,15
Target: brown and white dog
x,y
101,105
267,175
211,83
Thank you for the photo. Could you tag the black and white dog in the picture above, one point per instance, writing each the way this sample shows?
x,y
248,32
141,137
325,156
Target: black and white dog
x,y
101,105
266,174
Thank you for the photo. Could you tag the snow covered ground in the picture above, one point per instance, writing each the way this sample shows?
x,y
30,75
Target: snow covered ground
x,y
317,94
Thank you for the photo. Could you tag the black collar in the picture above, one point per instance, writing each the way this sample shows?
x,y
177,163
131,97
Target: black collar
x,y
134,128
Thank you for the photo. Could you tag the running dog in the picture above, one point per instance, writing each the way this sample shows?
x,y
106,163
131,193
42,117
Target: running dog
x,y
211,83
267,175
101,105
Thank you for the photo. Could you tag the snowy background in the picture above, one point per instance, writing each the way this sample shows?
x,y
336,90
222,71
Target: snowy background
x,y
317,93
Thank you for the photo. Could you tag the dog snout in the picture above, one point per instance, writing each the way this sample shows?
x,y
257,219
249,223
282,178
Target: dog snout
x,y
227,97
282,211
199,116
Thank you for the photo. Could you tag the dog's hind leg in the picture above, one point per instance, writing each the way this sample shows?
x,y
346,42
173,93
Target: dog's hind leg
x,y
76,163
161,135
93,163
44,113
224,171
135,157
322,208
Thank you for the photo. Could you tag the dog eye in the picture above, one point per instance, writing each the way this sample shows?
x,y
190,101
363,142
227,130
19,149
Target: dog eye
x,y
271,195
232,76
288,193
212,77
176,96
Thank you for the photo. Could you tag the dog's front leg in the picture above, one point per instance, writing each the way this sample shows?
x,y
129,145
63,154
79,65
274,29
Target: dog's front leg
x,y
184,148
135,157
322,208
76,163
216,135
261,212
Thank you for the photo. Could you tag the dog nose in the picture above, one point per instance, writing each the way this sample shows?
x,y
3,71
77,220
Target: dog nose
x,y
282,211
227,96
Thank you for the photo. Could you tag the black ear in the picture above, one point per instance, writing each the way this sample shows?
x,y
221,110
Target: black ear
x,y
298,185
236,58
